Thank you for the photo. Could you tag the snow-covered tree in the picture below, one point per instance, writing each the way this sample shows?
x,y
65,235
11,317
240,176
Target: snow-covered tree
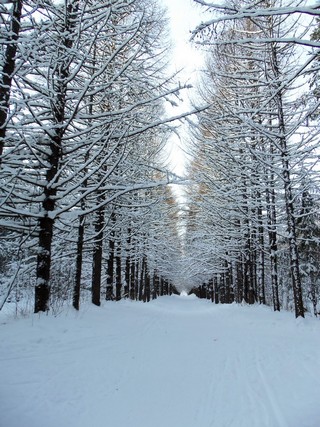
x,y
91,94
258,120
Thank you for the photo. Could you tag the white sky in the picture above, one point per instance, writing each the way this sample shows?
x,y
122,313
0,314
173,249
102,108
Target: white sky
x,y
184,16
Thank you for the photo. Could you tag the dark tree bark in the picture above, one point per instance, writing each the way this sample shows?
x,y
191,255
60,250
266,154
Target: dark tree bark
x,y
202,291
227,283
132,291
161,286
155,285
166,287
261,257
128,267
248,281
110,262
46,223
239,292
293,247
42,288
81,228
118,272
77,285
216,290
273,246
211,292
8,68
136,280
97,256
291,221
147,290
142,279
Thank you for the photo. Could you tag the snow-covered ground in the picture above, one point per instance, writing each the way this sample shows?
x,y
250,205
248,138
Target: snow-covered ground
x,y
175,362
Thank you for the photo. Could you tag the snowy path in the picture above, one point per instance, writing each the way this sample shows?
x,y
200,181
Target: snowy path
x,y
175,362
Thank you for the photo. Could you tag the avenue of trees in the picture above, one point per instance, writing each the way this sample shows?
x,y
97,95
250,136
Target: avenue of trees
x,y
254,207
86,205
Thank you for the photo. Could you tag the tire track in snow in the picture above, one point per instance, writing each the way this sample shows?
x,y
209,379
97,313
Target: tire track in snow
x,y
237,393
207,403
228,394
281,422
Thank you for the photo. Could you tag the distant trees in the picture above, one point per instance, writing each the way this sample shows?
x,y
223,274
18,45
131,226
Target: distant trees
x,y
81,99
253,146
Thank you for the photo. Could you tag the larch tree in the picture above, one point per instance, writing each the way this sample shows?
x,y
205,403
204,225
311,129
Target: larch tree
x,y
269,116
10,26
90,92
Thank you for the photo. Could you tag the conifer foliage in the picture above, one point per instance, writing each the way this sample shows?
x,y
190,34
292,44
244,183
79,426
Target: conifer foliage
x,y
82,95
253,147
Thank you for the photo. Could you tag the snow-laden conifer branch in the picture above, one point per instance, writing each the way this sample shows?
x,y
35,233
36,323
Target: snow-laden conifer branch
x,y
232,13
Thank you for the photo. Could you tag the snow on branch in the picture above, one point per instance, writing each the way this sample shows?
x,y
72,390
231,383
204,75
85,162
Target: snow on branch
x,y
294,40
236,14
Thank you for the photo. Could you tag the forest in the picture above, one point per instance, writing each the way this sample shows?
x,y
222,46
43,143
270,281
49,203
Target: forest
x,y
88,204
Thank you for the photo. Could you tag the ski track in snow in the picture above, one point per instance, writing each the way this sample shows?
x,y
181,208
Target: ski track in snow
x,y
174,362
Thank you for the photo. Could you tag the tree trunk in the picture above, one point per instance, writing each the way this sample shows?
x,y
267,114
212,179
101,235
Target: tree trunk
x,y
110,262
118,272
239,282
227,284
216,290
248,284
46,223
260,257
77,285
273,246
42,288
128,265
165,287
211,292
141,281
147,291
97,256
313,293
136,280
155,286
9,61
161,286
288,196
132,291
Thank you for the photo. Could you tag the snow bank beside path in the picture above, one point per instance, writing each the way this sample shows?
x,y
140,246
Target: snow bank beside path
x,y
174,362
